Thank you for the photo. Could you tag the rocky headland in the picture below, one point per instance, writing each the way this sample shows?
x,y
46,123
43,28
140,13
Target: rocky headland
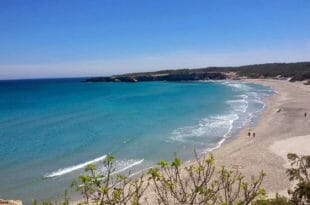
x,y
291,71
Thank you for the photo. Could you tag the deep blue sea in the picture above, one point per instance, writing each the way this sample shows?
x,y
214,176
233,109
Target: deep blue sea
x,y
51,129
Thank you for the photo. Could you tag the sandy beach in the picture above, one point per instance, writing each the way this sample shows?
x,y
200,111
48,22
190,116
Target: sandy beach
x,y
283,128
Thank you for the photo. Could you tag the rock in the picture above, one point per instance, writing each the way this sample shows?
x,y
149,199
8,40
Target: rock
x,y
10,202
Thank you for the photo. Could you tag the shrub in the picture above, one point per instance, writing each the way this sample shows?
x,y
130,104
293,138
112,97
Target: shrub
x,y
278,200
300,172
201,183
109,188
196,183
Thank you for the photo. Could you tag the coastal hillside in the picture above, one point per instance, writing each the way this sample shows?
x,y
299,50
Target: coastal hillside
x,y
294,71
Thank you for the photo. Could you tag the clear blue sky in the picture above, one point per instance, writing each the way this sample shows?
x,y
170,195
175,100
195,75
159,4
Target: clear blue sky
x,y
58,38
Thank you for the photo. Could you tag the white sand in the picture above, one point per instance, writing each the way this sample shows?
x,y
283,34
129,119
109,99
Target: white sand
x,y
275,135
299,145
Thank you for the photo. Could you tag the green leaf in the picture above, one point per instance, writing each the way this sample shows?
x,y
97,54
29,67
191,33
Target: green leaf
x,y
176,163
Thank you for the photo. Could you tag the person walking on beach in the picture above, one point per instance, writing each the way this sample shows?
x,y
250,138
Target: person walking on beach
x,y
253,134
305,114
249,134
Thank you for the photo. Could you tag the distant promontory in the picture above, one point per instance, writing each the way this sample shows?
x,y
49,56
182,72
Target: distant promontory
x,y
293,71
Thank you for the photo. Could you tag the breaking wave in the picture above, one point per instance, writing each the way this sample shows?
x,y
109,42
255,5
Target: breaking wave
x,y
120,166
216,126
239,86
214,130
67,170
239,105
123,165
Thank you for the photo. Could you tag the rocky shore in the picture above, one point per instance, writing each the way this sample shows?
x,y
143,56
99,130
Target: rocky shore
x,y
183,75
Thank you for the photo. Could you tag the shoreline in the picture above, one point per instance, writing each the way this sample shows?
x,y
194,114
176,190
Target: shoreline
x,y
276,132
273,129
220,144
250,155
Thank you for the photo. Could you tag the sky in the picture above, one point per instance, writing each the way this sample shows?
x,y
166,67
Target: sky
x,y
73,38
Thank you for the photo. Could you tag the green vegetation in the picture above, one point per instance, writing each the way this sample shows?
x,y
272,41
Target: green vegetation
x,y
110,188
300,172
176,183
278,200
295,71
203,184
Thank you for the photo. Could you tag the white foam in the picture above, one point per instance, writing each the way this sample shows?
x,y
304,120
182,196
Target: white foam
x,y
217,126
243,96
240,105
239,86
128,164
67,170
237,101
226,135
218,145
123,165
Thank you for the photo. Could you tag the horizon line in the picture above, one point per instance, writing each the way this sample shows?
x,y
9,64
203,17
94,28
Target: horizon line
x,y
192,68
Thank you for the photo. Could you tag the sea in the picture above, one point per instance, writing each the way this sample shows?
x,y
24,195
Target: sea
x,y
51,129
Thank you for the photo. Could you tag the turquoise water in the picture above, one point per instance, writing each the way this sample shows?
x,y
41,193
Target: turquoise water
x,y
51,129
